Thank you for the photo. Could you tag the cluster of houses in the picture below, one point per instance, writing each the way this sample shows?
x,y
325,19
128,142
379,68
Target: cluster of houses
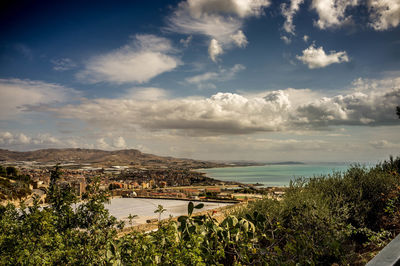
x,y
151,183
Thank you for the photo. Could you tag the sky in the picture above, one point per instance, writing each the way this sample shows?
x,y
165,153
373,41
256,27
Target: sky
x,y
259,80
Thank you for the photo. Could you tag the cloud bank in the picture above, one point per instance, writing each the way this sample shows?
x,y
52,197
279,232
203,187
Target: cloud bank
x,y
231,113
17,94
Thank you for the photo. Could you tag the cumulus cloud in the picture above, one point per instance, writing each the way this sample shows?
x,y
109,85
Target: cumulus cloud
x,y
220,20
119,143
214,49
204,80
8,139
231,113
373,108
315,57
332,13
102,144
305,38
17,94
384,14
63,64
289,11
146,57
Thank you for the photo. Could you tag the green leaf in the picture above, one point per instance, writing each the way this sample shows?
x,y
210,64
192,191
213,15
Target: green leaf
x,y
182,219
199,206
190,208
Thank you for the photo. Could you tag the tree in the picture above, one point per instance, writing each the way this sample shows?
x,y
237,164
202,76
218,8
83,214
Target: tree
x,y
131,217
160,210
11,171
398,111
3,171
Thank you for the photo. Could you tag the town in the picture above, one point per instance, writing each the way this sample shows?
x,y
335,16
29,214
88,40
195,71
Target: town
x,y
125,181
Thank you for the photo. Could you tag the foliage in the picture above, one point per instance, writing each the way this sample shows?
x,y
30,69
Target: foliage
x,y
332,218
11,171
3,171
12,184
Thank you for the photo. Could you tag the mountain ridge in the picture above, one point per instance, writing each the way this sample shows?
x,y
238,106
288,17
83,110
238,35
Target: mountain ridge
x,y
96,157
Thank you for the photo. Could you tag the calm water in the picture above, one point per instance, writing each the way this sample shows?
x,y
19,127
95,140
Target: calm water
x,y
272,175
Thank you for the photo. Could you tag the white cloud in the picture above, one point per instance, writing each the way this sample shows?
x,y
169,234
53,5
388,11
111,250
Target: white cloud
x,y
198,79
384,14
8,139
317,58
239,39
373,107
214,50
198,8
384,144
286,39
288,12
220,20
63,64
145,58
119,143
41,139
332,13
223,74
16,95
187,41
305,38
102,144
147,94
230,113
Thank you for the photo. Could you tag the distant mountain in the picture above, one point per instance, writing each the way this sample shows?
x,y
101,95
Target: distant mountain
x,y
285,163
131,157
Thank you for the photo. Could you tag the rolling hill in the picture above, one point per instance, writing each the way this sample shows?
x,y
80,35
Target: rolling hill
x,y
131,157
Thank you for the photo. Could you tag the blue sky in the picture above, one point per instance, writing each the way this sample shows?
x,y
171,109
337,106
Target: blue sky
x,y
262,80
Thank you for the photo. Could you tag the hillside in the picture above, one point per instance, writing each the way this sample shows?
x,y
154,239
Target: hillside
x,y
131,157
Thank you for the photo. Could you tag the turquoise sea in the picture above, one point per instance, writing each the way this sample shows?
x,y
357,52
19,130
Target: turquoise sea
x,y
272,175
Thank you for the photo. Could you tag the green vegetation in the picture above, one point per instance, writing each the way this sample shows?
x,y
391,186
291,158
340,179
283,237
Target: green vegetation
x,y
331,218
12,184
340,218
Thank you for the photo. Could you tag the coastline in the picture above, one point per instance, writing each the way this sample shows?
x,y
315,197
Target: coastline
x,y
273,174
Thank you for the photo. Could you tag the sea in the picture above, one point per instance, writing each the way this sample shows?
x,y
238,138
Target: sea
x,y
274,175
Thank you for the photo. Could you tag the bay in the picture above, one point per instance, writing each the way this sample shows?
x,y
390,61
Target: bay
x,y
273,175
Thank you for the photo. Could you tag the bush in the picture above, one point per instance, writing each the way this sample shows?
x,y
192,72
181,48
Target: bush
x,y
329,219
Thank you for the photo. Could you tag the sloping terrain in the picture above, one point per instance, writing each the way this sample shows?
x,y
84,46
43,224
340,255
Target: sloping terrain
x,y
102,158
